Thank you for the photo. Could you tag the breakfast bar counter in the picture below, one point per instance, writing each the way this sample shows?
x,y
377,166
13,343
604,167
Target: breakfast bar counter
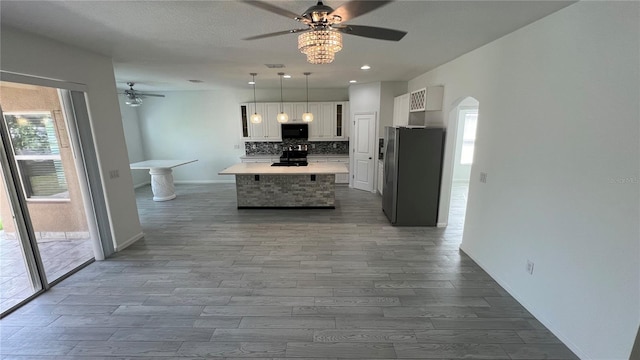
x,y
260,185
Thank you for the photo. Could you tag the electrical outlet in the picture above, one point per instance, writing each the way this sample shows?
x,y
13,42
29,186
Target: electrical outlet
x,y
114,174
335,145
236,146
313,146
483,177
275,146
530,267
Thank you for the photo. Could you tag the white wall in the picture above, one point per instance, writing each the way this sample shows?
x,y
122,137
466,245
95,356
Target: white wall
x,y
38,56
205,125
388,91
558,136
133,138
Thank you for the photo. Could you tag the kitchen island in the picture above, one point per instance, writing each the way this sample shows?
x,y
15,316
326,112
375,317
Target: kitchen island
x,y
260,185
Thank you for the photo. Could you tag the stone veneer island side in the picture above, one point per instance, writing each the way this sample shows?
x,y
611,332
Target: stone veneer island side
x,y
260,185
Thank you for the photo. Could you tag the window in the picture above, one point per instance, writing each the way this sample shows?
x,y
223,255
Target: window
x,y
37,153
468,136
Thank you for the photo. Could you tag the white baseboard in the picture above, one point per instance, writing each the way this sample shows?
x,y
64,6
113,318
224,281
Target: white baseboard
x,y
135,186
231,181
546,322
443,224
129,242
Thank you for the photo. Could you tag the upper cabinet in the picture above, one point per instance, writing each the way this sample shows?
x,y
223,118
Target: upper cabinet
x,y
268,130
295,111
330,120
426,99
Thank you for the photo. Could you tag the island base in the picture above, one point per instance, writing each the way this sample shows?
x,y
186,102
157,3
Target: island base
x,y
286,191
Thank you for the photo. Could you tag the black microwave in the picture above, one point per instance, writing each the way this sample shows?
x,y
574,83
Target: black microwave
x,y
295,131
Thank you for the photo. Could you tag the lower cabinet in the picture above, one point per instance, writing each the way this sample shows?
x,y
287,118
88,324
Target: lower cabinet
x,y
260,159
340,178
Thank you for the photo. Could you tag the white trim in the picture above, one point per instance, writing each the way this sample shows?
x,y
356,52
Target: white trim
x,y
204,182
137,186
129,242
546,322
441,224
41,81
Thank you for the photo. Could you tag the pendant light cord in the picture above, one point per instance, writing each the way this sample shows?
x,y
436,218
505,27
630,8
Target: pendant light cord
x,y
281,94
307,76
255,106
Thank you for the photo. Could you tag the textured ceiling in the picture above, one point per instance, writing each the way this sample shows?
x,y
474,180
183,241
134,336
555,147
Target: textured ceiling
x,y
162,44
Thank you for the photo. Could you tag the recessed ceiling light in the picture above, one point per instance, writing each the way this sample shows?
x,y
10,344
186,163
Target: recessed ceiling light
x,y
196,81
353,81
287,76
365,67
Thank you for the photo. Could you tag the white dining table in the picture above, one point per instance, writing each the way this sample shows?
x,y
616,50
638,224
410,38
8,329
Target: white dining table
x,y
161,172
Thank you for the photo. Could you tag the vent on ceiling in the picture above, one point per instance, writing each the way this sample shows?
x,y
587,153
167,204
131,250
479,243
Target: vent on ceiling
x,y
274,66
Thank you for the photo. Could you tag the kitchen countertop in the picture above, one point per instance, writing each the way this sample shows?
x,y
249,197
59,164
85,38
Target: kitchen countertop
x,y
311,156
267,169
158,164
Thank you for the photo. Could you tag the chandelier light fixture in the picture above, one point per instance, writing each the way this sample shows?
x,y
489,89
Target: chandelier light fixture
x,y
282,116
255,117
133,100
320,44
307,117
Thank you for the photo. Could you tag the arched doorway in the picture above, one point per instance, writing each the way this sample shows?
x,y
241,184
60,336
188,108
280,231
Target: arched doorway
x,y
463,123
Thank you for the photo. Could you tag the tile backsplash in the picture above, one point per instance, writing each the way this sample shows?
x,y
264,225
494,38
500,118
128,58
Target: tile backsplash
x,y
314,147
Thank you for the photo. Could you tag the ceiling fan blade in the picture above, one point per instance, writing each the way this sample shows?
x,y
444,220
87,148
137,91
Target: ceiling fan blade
x,y
292,31
145,94
356,8
272,8
372,32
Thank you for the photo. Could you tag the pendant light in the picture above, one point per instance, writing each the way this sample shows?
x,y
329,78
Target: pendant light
x,y
282,116
255,117
307,117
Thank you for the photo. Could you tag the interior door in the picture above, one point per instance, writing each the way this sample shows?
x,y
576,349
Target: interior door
x,y
363,151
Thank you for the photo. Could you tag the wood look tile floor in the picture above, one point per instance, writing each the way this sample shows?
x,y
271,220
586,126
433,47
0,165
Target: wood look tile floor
x,y
211,281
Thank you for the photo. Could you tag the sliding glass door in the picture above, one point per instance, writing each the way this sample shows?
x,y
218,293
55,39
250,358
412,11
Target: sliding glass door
x,y
49,186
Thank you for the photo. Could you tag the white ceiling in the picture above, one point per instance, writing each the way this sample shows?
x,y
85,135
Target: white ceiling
x,y
162,44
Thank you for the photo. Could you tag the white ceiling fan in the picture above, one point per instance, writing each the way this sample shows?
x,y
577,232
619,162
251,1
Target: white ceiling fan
x,y
134,97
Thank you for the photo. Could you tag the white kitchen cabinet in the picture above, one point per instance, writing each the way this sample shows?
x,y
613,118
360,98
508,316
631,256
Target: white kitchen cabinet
x,y
295,111
401,110
341,125
340,178
269,129
321,128
259,159
426,99
330,120
272,127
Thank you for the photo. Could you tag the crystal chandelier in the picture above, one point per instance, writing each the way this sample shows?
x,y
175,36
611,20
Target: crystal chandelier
x,y
320,45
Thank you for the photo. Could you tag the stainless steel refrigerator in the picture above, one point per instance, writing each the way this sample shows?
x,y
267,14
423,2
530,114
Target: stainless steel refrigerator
x,y
412,175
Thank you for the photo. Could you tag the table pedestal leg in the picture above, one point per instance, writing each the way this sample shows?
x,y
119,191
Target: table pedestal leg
x,y
162,184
